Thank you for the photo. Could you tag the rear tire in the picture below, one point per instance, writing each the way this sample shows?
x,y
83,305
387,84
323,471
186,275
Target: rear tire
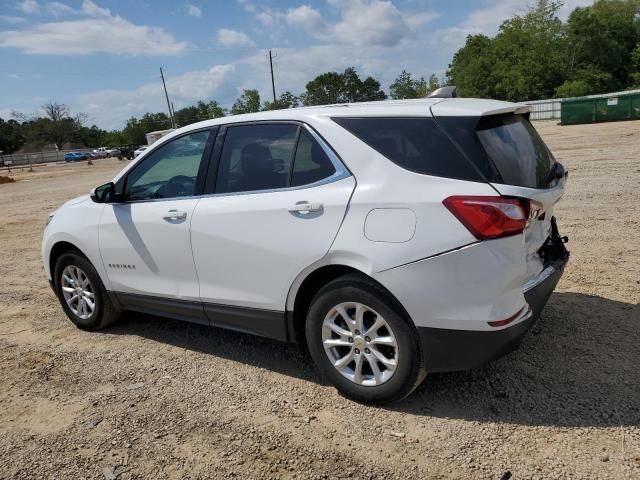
x,y
373,356
82,294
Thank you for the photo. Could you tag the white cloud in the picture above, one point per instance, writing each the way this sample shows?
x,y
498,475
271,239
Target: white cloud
x,y
193,10
361,22
419,19
103,33
110,108
93,10
29,6
247,5
12,19
231,38
266,18
307,18
57,9
372,23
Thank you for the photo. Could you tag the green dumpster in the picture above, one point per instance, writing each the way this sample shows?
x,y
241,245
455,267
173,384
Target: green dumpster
x,y
600,109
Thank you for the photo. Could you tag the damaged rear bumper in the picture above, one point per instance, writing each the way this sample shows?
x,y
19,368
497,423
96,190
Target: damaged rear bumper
x,y
451,350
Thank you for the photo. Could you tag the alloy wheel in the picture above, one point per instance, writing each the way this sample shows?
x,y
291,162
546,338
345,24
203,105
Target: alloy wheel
x,y
78,292
360,344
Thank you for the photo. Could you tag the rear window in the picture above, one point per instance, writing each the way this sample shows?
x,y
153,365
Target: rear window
x,y
416,144
516,150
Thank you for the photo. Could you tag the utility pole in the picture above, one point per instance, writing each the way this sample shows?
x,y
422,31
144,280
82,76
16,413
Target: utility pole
x,y
173,123
273,82
173,113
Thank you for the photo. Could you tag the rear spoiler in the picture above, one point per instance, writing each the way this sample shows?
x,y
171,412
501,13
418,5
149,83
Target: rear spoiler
x,y
475,107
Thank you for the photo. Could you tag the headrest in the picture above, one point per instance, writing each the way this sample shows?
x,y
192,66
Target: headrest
x,y
256,158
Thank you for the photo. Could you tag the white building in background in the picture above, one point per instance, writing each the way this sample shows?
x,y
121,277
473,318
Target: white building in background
x,y
157,135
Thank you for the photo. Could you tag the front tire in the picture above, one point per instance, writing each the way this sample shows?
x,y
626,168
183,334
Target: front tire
x,y
82,294
363,342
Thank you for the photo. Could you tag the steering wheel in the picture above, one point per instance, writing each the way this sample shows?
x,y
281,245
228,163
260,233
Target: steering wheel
x,y
178,186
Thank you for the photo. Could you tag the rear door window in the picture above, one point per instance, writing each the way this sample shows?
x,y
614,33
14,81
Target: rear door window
x,y
516,150
416,144
256,157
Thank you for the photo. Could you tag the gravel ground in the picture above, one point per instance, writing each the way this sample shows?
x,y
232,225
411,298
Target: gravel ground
x,y
156,398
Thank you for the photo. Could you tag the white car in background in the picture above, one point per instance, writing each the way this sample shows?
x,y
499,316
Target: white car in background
x,y
139,150
395,238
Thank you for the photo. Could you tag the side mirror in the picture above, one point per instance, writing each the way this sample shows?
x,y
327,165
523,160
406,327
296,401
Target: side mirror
x,y
104,193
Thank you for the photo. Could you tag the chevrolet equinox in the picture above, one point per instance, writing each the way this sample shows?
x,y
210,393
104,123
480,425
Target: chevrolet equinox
x,y
393,238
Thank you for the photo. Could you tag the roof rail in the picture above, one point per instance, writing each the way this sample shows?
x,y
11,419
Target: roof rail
x,y
444,92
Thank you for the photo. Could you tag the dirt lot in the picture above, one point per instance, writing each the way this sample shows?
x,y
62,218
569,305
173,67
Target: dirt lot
x,y
155,398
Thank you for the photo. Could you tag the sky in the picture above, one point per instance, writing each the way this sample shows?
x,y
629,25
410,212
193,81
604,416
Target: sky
x,y
103,57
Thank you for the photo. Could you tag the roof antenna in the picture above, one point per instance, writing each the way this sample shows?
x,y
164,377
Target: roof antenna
x,y
444,92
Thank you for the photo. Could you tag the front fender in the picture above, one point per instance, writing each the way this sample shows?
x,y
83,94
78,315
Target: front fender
x,y
77,224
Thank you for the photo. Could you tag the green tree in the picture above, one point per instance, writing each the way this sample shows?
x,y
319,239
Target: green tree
x,y
572,88
524,61
11,136
530,52
89,136
53,124
635,66
285,100
535,55
472,69
248,102
434,83
602,38
136,129
405,86
116,137
198,112
346,87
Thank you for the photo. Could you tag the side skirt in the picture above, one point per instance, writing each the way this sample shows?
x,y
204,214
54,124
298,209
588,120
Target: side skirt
x,y
264,323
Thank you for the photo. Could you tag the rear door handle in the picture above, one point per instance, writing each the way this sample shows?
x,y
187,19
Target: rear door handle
x,y
175,215
306,207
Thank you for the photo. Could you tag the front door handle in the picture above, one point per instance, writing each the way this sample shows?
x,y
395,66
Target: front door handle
x,y
305,207
173,215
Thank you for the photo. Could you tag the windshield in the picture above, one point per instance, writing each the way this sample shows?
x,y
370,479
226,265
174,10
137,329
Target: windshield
x,y
516,149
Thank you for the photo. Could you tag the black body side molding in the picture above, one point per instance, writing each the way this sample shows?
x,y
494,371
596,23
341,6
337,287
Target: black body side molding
x,y
265,323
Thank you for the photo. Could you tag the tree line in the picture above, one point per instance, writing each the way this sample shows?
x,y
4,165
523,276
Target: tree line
x,y
54,124
536,56
533,56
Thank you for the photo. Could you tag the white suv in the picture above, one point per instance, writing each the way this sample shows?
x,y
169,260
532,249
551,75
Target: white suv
x,y
394,238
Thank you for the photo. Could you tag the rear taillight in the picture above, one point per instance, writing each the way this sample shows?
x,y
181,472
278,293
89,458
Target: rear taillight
x,y
489,217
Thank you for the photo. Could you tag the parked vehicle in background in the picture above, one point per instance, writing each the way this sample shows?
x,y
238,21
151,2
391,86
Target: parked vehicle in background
x,y
140,150
106,151
395,238
100,152
74,156
127,151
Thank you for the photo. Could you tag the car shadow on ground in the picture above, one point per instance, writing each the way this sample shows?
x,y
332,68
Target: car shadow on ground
x,y
578,366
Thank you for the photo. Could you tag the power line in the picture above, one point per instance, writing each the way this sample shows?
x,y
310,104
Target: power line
x,y
76,74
